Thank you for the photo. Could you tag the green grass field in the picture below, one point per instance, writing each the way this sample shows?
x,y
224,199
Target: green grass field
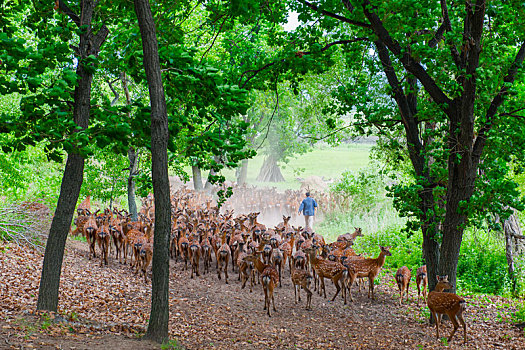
x,y
323,161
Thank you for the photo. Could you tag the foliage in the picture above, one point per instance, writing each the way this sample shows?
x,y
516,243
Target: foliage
x,y
361,190
406,251
27,174
482,267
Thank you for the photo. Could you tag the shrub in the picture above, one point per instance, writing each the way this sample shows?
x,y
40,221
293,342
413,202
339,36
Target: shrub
x,y
482,266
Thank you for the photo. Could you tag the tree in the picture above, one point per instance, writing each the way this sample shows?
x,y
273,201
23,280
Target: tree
x,y
158,321
442,83
89,47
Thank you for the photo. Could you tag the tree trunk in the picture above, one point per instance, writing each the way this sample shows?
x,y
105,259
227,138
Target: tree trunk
x,y
512,228
270,171
52,266
133,160
208,186
133,170
158,321
197,178
242,175
73,174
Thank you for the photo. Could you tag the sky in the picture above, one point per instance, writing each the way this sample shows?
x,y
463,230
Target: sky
x,y
293,21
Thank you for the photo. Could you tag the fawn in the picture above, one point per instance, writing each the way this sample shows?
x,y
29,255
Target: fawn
x,y
441,303
302,279
421,278
269,278
366,268
327,269
103,240
402,277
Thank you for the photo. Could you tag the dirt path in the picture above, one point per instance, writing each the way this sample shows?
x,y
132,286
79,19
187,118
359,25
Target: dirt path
x,y
108,307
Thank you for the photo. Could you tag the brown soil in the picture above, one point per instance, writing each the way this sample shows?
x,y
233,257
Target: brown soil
x,y
107,308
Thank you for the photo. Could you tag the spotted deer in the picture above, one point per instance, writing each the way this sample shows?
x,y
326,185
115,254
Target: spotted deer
x,y
302,279
90,230
366,268
421,280
402,277
223,256
453,306
326,269
269,278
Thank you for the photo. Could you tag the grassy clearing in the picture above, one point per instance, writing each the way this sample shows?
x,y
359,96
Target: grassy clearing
x,y
324,161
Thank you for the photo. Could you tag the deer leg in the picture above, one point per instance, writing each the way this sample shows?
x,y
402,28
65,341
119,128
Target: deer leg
x,y
336,282
462,321
455,323
266,300
437,318
273,303
370,287
308,299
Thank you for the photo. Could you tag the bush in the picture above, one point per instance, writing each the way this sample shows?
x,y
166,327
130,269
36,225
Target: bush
x,y
360,191
482,266
406,251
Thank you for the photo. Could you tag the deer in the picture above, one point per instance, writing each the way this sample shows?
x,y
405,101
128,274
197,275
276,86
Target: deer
x,y
84,208
402,277
245,268
366,268
90,230
277,262
103,240
206,254
195,255
302,279
146,253
421,279
327,269
184,249
223,256
79,222
269,278
118,238
453,306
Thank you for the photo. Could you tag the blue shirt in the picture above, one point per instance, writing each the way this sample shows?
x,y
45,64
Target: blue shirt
x,y
308,206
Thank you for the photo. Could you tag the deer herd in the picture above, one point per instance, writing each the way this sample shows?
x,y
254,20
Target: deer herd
x,y
201,235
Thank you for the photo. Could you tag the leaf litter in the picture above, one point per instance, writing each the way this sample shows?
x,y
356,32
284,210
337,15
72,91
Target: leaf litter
x,y
108,308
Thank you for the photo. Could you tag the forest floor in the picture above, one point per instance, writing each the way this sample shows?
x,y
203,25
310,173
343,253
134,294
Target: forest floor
x,y
108,307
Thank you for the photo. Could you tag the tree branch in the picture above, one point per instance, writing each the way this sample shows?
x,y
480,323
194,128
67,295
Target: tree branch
x,y
334,15
99,39
446,26
215,38
271,119
299,54
115,92
64,8
496,102
410,64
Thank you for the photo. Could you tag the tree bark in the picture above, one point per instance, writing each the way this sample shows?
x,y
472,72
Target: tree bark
x,y
197,178
159,316
133,160
73,174
133,170
270,171
242,175
511,228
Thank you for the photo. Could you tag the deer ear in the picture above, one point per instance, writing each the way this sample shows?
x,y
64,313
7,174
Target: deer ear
x,y
437,278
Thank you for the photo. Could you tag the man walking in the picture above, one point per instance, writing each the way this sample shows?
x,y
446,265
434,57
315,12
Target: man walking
x,y
308,206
